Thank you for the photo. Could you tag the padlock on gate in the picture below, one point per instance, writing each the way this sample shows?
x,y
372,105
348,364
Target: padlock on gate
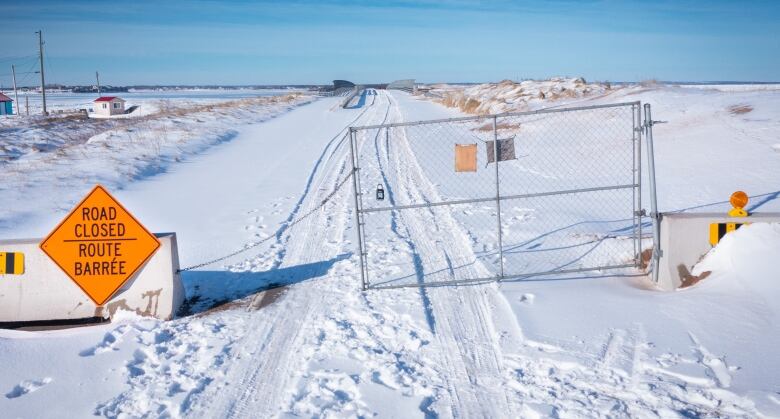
x,y
380,192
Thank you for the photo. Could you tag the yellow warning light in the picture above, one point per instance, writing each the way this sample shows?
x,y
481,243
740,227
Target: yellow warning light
x,y
738,200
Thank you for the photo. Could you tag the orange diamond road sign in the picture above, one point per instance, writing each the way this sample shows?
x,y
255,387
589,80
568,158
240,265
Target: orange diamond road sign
x,y
100,245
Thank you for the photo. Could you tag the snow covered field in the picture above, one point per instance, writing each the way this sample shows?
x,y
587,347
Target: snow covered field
x,y
37,155
591,347
148,100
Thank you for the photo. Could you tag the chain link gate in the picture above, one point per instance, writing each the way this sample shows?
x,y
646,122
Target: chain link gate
x,y
493,197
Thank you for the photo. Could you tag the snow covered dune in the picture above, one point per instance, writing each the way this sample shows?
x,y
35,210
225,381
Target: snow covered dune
x,y
510,96
49,155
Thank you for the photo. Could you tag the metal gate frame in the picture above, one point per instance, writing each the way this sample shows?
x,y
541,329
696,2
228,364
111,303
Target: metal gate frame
x,y
642,125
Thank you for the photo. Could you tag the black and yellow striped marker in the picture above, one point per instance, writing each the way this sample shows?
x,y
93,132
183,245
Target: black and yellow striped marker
x,y
718,230
11,263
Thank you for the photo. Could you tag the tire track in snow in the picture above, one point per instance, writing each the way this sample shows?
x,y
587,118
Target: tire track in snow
x,y
383,343
396,226
273,354
533,378
471,361
307,189
621,381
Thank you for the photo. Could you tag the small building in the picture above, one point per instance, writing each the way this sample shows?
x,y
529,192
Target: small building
x,y
6,105
109,105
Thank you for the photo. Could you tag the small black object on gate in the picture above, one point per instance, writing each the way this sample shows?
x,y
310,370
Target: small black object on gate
x,y
380,192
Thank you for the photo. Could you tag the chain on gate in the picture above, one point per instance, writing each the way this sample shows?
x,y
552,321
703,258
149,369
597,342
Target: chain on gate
x,y
291,224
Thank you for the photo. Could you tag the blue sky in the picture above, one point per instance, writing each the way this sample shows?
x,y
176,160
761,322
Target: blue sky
x,y
259,42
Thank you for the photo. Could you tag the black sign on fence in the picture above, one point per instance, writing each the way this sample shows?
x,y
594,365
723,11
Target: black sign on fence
x,y
506,150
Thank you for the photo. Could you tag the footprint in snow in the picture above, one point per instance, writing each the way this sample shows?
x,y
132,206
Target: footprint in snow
x,y
27,386
715,367
109,342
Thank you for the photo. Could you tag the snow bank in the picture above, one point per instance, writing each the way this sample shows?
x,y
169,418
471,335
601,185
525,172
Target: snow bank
x,y
510,96
748,256
46,156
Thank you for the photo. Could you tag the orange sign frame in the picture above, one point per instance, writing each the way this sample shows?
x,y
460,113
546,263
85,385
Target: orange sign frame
x,y
100,245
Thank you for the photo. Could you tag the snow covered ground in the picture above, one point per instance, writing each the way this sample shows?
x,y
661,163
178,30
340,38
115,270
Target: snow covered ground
x,y
591,347
52,156
149,100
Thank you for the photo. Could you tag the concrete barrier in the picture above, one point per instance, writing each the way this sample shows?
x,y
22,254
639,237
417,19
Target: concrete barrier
x,y
684,240
45,294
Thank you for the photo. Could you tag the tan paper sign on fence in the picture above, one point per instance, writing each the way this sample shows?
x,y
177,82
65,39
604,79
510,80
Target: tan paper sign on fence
x,y
465,157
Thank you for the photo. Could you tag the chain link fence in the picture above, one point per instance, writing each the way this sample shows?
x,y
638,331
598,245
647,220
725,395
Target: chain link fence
x,y
518,195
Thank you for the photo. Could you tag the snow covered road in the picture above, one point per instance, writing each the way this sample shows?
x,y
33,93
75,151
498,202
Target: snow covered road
x,y
319,347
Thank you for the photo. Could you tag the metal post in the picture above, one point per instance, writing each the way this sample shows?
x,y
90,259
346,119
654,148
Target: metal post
x,y
634,214
653,198
638,128
43,81
16,94
498,200
358,224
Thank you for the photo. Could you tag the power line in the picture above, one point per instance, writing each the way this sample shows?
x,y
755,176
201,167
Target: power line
x,y
28,72
18,72
30,62
17,58
49,71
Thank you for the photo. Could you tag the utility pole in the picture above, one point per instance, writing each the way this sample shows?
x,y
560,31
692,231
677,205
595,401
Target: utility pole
x,y
27,104
43,80
16,94
97,77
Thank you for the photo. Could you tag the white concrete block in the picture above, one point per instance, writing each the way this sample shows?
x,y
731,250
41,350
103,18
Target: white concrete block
x,y
45,293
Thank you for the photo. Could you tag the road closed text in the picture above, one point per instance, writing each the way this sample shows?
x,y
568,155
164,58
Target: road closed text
x,y
97,232
99,222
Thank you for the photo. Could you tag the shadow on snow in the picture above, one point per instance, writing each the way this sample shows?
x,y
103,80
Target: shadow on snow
x,y
210,289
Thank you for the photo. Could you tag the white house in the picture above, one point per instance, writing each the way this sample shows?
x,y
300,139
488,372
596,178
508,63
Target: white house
x,y
109,105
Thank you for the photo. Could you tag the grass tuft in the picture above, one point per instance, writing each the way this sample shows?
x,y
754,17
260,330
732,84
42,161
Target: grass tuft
x,y
740,109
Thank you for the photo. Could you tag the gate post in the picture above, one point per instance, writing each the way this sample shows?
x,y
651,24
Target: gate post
x,y
498,200
638,211
358,220
653,198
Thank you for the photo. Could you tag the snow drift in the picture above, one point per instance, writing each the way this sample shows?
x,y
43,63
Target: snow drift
x,y
746,257
510,96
